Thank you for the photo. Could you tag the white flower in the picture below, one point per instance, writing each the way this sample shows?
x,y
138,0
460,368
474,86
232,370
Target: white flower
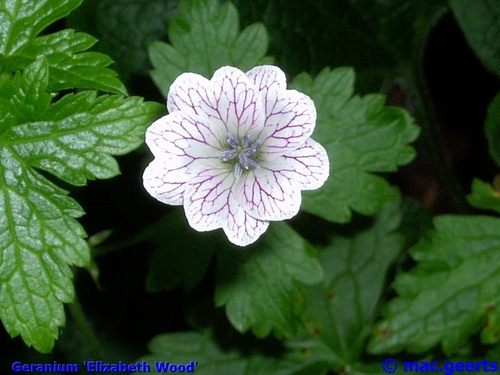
x,y
235,151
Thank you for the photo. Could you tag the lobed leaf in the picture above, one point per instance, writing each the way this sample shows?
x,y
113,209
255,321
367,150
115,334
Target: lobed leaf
x,y
484,196
74,139
260,287
39,238
127,27
22,20
342,310
452,292
480,23
361,137
204,38
20,23
213,358
337,321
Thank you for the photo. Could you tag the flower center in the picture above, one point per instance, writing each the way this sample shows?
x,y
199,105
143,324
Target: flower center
x,y
243,150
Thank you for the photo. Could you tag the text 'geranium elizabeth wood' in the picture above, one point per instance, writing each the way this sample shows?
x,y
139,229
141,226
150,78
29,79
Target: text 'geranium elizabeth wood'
x,y
235,151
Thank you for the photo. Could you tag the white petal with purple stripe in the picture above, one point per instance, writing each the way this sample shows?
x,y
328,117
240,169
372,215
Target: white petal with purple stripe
x,y
235,151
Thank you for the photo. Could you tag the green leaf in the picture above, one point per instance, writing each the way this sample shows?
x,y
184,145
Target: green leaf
x,y
491,329
125,28
39,238
21,20
181,258
338,319
450,293
361,137
210,357
415,223
341,311
484,196
204,38
129,26
493,352
69,68
376,369
492,128
480,22
260,286
74,139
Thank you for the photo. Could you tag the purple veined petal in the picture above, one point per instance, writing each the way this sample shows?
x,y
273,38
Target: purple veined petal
x,y
266,194
230,100
208,196
308,165
193,93
165,183
267,77
291,118
239,103
210,204
190,92
177,141
180,134
242,229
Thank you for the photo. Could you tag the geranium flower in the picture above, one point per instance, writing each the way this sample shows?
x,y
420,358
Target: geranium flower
x,y
235,151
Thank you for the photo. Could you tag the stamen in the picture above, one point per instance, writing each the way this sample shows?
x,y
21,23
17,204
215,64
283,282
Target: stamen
x,y
244,161
227,154
245,141
238,171
243,150
232,140
252,163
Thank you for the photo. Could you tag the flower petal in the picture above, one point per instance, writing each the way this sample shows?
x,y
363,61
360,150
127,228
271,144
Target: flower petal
x,y
267,77
290,121
180,135
239,102
210,204
267,193
242,229
230,100
308,166
177,140
165,184
189,92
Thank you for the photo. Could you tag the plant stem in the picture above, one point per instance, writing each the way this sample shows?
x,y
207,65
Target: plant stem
x,y
86,331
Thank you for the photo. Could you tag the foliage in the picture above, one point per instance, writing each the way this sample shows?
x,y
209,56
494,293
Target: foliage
x,y
480,23
73,138
450,294
125,28
362,273
361,137
222,43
